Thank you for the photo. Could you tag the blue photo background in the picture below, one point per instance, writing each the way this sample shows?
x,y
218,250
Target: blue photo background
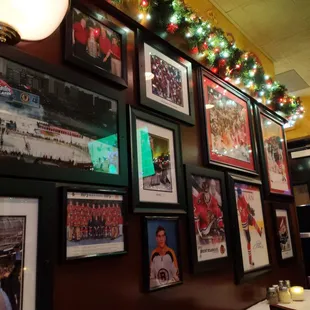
x,y
171,238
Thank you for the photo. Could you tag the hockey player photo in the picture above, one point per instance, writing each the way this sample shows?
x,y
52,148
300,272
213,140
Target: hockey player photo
x,y
284,234
251,227
163,252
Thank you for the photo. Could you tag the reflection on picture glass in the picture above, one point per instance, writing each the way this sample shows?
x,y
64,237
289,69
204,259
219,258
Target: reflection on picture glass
x,y
47,121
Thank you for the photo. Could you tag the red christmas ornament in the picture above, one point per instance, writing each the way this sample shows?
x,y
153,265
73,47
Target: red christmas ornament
x,y
144,3
195,50
172,28
204,46
215,70
222,62
216,50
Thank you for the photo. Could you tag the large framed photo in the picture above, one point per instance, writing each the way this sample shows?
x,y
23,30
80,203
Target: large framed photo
x,y
208,218
228,138
162,263
272,144
58,125
95,43
248,224
157,174
166,83
27,221
95,222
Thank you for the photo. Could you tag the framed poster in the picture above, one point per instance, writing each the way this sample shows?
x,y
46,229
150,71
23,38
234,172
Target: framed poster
x,y
208,218
58,125
157,174
273,145
228,138
166,83
162,266
95,222
248,224
27,224
95,44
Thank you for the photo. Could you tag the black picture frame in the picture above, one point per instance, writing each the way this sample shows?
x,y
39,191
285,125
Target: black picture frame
x,y
64,189
240,275
207,160
47,246
259,110
146,256
212,264
48,172
286,207
149,206
171,53
70,57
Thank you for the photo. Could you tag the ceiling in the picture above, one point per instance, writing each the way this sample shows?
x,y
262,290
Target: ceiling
x,y
281,29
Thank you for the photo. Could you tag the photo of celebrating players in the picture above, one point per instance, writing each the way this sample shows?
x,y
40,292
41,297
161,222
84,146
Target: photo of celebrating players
x,y
251,226
283,230
94,224
163,252
208,218
96,44
275,154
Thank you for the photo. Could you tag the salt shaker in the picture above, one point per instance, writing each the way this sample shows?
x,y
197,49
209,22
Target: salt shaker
x,y
284,295
272,296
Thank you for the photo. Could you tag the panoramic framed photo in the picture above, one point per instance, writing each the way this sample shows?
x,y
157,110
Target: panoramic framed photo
x,y
228,136
162,265
58,125
95,44
208,218
166,82
27,223
157,172
250,241
272,143
95,222
283,226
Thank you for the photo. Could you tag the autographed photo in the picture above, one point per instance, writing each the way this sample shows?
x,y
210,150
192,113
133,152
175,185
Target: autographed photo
x,y
283,230
94,224
275,154
251,227
208,218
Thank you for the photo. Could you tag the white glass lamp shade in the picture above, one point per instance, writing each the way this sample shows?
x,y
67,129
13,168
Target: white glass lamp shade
x,y
33,19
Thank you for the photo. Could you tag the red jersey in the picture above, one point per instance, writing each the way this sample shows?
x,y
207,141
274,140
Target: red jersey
x,y
80,33
116,51
242,206
105,44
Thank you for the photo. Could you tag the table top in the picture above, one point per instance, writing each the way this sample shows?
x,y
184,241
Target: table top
x,y
296,305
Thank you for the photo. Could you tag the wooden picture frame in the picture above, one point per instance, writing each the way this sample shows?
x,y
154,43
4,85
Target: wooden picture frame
x,y
155,277
175,101
161,190
220,147
91,56
245,249
214,252
68,123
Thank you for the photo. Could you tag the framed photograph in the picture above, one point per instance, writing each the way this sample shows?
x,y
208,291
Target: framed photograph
x,y
302,193
208,218
228,138
95,222
248,224
157,172
27,223
283,223
162,262
272,144
58,125
166,82
95,44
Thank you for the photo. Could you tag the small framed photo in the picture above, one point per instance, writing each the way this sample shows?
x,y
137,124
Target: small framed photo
x,y
250,240
95,222
283,224
208,218
162,262
166,83
157,174
228,136
95,44
272,144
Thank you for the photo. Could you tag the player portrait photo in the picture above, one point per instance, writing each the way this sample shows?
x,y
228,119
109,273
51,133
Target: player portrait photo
x,y
276,156
162,252
228,131
94,224
284,233
251,226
